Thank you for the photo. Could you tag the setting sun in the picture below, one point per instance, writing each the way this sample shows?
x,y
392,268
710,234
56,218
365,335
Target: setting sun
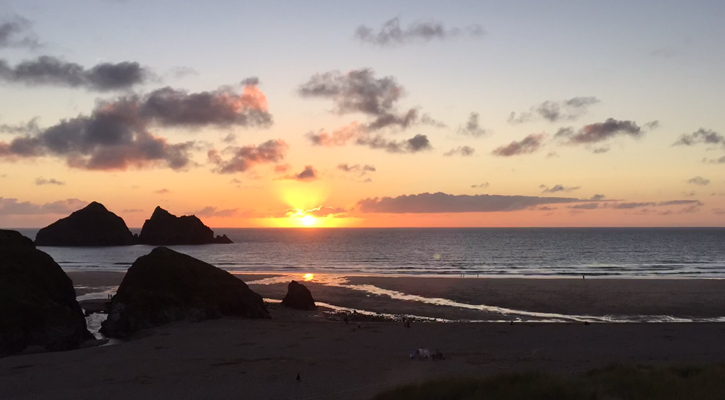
x,y
308,220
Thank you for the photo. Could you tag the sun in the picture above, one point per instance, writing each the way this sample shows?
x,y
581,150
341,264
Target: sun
x,y
308,220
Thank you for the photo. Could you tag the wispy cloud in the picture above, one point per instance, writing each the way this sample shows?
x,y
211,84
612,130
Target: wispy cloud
x,y
555,111
527,145
392,34
558,188
701,136
42,181
599,132
16,31
698,180
473,127
11,206
480,185
463,151
449,203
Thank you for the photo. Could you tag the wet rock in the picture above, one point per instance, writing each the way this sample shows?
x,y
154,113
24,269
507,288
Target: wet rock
x,y
38,307
92,225
298,297
166,286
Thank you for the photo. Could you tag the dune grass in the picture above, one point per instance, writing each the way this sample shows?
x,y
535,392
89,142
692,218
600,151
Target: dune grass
x,y
621,382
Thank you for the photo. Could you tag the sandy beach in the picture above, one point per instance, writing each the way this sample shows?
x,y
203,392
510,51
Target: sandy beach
x,y
259,359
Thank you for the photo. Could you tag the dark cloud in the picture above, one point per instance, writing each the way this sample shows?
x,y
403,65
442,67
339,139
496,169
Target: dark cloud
x,y
473,127
27,128
356,168
558,188
213,212
415,144
10,206
252,80
448,203
244,158
16,32
50,71
528,145
463,151
480,186
392,34
308,174
632,205
679,202
597,197
359,91
555,111
116,137
162,191
42,181
599,132
701,136
698,180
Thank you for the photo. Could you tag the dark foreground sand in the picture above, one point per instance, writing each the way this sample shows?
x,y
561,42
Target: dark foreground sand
x,y
259,359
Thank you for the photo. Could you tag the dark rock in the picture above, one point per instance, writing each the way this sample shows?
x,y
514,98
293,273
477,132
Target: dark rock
x,y
298,297
165,286
93,225
38,304
164,228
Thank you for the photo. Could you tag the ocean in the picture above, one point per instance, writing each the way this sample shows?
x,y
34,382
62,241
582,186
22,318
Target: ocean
x,y
532,252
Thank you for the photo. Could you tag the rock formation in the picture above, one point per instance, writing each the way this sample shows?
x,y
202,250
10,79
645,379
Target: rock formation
x,y
38,304
298,297
165,286
93,225
164,228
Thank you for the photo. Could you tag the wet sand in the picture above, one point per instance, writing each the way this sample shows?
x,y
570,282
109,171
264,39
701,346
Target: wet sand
x,y
259,359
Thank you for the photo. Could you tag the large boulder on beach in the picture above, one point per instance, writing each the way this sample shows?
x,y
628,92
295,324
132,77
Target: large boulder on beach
x,y
93,225
165,286
165,229
38,304
298,297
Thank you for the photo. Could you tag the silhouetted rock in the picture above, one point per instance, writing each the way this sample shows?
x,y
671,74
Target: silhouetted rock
x,y
298,297
93,225
165,286
38,304
164,228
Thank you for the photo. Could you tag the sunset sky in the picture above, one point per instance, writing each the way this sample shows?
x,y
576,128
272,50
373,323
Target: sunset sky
x,y
396,113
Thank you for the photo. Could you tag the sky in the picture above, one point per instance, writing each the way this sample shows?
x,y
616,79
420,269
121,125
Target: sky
x,y
364,114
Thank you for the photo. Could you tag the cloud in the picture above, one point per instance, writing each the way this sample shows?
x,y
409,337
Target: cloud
x,y
51,71
601,150
546,208
552,154
362,170
27,128
132,210
558,188
359,91
244,158
472,127
701,136
585,206
391,34
308,174
718,211
595,133
281,169
463,151
555,111
527,145
415,144
317,212
698,180
426,119
597,197
11,206
448,203
116,137
213,212
229,138
480,186
338,137
42,181
16,32
720,160
162,191
631,205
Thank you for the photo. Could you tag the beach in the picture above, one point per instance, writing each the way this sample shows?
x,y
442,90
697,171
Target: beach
x,y
259,359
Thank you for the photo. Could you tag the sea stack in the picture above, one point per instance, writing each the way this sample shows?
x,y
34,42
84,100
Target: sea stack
x,y
298,297
165,229
165,286
93,225
38,304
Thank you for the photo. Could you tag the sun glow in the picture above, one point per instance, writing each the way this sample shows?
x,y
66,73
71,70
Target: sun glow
x,y
308,277
308,220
